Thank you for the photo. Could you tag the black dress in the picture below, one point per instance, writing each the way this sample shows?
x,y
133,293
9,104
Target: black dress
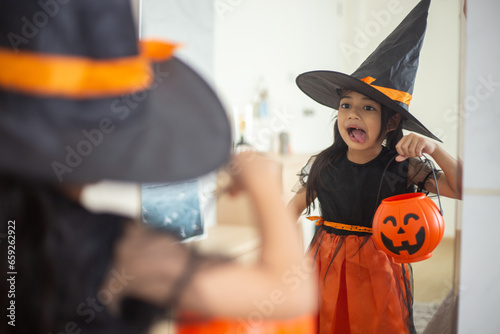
x,y
362,289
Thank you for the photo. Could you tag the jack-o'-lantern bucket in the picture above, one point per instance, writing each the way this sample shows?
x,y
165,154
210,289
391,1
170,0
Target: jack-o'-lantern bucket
x,y
408,227
254,324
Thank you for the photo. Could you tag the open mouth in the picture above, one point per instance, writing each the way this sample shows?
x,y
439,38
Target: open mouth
x,y
356,134
405,245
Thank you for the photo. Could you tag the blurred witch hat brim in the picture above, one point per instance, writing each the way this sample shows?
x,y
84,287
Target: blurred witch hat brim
x,y
387,75
80,103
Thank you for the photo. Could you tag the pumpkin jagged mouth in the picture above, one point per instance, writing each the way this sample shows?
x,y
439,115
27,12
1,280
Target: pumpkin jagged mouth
x,y
405,245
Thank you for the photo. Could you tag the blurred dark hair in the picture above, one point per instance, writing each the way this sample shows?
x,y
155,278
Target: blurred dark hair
x,y
62,256
331,154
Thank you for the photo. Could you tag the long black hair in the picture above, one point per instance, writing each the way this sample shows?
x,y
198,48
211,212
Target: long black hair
x,y
62,254
331,154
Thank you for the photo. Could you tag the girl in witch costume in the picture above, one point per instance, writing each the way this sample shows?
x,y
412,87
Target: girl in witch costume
x,y
362,289
81,102
105,273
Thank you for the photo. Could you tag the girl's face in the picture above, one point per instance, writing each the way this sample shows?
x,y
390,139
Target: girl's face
x,y
359,122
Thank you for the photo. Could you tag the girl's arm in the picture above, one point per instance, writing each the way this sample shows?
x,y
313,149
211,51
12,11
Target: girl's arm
x,y
414,146
281,282
297,204
281,270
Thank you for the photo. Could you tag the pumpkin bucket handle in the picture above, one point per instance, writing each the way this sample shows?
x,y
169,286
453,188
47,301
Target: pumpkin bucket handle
x,y
430,164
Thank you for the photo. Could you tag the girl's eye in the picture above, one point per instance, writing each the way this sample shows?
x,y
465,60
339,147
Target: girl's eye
x,y
370,108
345,105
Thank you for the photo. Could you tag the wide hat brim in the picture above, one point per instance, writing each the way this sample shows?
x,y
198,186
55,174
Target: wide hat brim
x,y
176,129
323,87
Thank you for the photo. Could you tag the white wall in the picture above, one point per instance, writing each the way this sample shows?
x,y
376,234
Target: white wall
x,y
187,22
262,42
479,290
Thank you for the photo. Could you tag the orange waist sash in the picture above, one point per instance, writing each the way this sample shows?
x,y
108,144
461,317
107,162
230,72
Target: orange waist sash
x,y
319,221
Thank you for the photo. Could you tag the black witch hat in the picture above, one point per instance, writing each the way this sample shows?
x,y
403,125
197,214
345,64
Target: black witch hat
x,y
82,100
387,75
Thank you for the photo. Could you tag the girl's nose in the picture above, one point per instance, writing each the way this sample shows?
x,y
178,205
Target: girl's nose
x,y
353,114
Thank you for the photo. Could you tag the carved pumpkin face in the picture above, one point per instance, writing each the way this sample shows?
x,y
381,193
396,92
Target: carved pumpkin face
x,y
403,231
408,227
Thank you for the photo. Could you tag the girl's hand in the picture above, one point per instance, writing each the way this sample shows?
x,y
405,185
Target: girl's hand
x,y
147,265
413,146
250,170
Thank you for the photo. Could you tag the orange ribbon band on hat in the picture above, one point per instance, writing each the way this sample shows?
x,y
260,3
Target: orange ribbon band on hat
x,y
319,221
79,77
394,94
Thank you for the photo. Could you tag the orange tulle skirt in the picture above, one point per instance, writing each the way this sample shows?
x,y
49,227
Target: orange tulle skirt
x,y
362,290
